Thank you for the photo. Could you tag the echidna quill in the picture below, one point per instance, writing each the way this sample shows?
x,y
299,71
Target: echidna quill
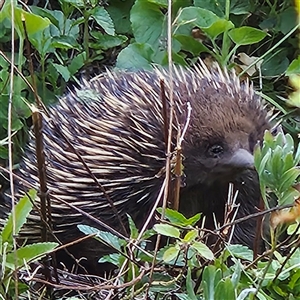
x,y
115,122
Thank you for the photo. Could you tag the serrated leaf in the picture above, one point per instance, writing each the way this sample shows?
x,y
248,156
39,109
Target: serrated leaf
x,y
203,250
21,212
167,230
28,254
246,35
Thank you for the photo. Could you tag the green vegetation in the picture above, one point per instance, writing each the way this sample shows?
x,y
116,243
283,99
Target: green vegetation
x,y
58,42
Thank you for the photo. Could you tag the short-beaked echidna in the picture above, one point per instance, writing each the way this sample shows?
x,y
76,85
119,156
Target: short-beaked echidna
x,y
115,123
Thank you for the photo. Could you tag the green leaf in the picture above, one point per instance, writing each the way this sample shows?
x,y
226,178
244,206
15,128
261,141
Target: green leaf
x,y
190,236
211,276
119,11
105,237
288,179
277,163
189,285
246,35
133,229
147,22
29,254
289,196
63,71
217,28
77,63
103,19
191,45
135,56
167,230
178,218
116,259
196,16
294,67
203,250
32,22
170,254
240,251
275,64
21,212
225,290
105,41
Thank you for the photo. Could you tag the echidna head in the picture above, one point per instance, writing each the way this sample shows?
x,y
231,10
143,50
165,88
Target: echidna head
x,y
227,121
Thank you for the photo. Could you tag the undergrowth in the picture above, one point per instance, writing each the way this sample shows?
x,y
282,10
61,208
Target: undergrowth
x,y
59,42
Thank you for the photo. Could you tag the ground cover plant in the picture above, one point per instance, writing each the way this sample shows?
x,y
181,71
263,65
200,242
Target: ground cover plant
x,y
56,43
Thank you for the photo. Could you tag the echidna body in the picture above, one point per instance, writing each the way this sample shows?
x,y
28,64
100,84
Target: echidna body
x,y
115,123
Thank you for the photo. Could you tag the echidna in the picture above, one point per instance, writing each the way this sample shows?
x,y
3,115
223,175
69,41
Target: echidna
x,y
115,122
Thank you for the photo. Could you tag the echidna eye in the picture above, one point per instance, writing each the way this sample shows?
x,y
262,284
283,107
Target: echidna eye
x,y
215,150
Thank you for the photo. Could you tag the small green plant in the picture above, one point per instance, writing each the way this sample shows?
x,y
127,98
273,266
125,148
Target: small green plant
x,y
13,260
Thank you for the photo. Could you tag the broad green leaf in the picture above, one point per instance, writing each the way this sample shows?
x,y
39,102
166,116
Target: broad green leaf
x,y
191,45
77,63
21,212
103,19
170,254
32,22
167,230
217,28
277,163
203,250
246,35
275,64
119,10
135,56
63,71
105,41
28,254
147,22
197,16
